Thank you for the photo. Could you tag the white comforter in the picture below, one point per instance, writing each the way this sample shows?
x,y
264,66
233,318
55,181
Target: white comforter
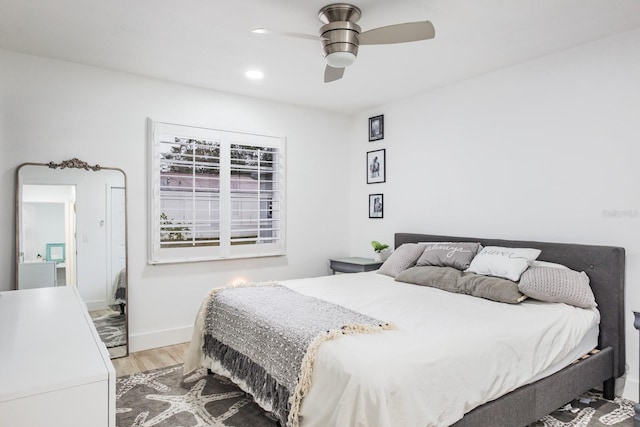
x,y
447,354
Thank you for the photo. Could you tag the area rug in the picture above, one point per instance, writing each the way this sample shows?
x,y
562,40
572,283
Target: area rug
x,y
591,410
166,398
111,328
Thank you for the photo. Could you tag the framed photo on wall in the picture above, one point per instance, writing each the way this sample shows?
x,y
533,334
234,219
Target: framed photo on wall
x,y
55,252
376,206
376,166
376,128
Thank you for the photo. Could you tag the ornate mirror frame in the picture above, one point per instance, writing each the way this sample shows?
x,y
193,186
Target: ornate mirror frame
x,y
121,276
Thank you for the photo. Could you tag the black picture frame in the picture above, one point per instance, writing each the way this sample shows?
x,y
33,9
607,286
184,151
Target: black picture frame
x,y
376,166
376,128
376,206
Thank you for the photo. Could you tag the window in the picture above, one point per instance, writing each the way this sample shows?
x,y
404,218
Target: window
x,y
214,194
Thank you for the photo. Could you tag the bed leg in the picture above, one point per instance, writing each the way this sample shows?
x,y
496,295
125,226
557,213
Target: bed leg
x,y
609,389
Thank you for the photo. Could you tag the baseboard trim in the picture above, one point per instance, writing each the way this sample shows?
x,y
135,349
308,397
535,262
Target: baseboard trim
x,y
156,339
630,390
96,305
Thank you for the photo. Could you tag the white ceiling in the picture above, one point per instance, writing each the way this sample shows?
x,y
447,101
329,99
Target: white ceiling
x,y
209,44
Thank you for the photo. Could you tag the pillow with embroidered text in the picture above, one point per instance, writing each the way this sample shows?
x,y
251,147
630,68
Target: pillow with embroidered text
x,y
499,261
448,254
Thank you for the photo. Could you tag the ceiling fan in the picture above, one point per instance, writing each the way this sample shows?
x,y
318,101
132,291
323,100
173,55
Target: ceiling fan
x,y
340,36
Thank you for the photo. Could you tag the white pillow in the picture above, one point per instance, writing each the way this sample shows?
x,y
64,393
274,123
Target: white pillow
x,y
499,261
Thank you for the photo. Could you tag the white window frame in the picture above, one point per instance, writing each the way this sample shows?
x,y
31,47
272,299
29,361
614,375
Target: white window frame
x,y
161,255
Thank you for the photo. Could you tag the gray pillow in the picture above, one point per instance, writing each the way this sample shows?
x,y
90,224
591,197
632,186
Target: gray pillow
x,y
402,258
445,278
447,254
558,285
452,280
493,288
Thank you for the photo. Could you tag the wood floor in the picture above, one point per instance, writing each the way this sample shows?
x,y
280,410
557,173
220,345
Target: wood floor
x,y
150,359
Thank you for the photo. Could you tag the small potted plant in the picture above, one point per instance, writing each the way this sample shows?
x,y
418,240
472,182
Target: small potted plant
x,y
380,250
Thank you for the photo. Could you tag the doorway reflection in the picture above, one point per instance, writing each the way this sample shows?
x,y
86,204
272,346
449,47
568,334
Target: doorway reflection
x,y
49,224
71,231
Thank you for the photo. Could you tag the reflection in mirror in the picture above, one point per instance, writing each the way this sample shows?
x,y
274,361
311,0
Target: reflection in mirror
x,y
71,231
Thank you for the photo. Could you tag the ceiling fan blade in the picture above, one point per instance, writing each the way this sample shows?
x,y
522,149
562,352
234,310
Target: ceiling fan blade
x,y
287,34
399,33
332,74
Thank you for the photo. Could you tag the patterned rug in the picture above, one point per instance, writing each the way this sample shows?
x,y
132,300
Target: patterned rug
x,y
111,329
166,398
591,410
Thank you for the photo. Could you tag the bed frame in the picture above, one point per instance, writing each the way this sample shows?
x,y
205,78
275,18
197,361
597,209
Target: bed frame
x,y
605,266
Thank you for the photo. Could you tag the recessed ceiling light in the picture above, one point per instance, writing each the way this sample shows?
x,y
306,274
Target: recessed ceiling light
x,y
254,74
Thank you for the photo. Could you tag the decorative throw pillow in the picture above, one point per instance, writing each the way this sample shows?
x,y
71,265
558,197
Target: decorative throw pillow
x,y
493,288
537,263
448,254
498,261
558,285
445,278
402,258
452,280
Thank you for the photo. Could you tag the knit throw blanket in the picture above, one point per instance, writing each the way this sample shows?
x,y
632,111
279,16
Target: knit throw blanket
x,y
267,338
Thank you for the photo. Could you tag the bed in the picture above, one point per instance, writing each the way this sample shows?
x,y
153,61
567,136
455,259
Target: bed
x,y
394,378
118,295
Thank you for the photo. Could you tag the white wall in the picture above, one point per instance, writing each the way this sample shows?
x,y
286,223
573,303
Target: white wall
x,y
540,151
43,223
51,110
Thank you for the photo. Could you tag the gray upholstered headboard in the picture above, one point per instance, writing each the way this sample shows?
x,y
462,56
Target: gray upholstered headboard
x,y
605,266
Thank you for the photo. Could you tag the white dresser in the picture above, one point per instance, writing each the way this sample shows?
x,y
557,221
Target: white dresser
x,y
37,274
54,370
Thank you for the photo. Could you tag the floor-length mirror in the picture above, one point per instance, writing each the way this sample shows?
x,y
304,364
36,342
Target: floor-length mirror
x,y
71,230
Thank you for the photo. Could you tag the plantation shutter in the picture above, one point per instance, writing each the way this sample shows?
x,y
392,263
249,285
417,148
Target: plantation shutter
x,y
256,194
215,194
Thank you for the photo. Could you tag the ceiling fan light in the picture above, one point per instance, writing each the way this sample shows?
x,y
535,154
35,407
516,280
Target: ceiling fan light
x,y
340,59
